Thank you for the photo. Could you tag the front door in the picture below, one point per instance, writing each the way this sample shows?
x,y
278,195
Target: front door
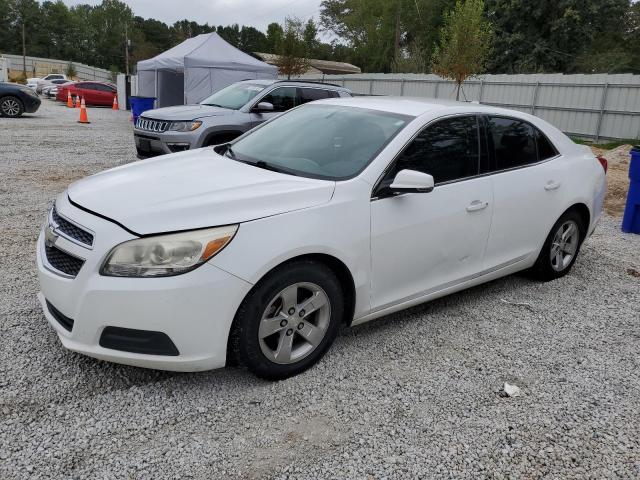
x,y
424,242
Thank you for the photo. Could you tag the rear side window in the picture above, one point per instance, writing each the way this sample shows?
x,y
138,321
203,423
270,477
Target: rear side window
x,y
514,142
447,150
546,149
311,94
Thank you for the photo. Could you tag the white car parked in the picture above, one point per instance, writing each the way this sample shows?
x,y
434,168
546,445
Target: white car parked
x,y
339,211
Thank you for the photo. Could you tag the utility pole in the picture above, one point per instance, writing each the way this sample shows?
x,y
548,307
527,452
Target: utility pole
x,y
126,48
24,51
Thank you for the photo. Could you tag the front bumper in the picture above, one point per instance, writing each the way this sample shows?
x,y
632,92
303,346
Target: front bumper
x,y
194,310
31,104
150,144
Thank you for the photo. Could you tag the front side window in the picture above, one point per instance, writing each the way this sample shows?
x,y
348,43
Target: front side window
x,y
447,150
320,141
234,96
512,141
282,99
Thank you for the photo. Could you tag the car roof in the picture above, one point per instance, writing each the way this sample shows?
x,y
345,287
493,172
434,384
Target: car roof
x,y
416,106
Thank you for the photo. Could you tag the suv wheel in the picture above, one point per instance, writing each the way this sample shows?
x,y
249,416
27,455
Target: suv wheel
x,y
11,107
288,321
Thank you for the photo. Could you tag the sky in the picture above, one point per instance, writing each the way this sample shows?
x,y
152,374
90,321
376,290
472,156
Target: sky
x,y
256,13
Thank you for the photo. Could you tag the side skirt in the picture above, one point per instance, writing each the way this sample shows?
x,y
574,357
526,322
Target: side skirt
x,y
517,265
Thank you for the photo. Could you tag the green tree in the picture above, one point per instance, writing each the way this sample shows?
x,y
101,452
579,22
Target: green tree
x,y
310,37
25,15
548,36
465,43
292,59
275,35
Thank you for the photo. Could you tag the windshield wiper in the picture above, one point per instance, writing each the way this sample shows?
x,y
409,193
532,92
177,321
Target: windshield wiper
x,y
268,166
229,151
213,105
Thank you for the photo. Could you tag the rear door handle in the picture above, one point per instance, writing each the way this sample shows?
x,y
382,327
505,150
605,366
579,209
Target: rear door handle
x,y
477,205
551,185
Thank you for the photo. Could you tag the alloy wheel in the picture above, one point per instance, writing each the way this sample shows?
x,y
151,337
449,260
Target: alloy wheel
x,y
10,107
294,323
564,245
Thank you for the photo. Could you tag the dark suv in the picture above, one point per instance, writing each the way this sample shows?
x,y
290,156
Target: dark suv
x,y
225,115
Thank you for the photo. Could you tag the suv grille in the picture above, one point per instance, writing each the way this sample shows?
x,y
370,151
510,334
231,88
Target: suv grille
x,y
70,229
151,125
63,261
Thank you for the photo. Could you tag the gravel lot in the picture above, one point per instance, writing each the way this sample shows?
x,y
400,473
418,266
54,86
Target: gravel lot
x,y
413,395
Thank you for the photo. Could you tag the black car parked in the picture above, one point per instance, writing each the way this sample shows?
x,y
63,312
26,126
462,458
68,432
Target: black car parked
x,y
17,99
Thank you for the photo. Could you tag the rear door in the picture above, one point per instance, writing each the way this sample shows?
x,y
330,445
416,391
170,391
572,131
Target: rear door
x,y
528,179
424,242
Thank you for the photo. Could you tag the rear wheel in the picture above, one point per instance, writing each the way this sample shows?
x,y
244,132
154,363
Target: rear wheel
x,y
288,321
561,248
11,107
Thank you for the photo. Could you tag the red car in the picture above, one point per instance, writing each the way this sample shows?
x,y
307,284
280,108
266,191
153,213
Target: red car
x,y
94,93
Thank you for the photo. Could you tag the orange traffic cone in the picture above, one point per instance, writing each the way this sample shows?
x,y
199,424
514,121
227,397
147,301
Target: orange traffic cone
x,y
69,100
115,104
78,101
83,113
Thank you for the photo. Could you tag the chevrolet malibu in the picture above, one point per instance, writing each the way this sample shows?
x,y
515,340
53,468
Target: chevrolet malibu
x,y
337,212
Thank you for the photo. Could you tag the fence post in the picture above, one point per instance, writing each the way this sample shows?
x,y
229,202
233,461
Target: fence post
x,y
371,86
481,89
534,98
343,82
435,95
402,87
603,102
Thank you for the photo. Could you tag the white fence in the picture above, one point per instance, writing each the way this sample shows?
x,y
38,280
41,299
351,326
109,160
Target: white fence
x,y
592,106
40,67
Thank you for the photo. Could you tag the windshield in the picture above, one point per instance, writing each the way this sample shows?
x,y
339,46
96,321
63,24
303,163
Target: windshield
x,y
234,96
320,141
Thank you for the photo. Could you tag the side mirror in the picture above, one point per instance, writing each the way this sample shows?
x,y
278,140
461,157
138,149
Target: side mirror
x,y
412,181
263,107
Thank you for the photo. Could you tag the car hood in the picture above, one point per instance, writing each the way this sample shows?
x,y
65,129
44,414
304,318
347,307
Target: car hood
x,y
194,189
186,112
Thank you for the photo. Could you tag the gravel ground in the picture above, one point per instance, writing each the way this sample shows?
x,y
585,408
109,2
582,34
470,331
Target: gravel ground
x,y
413,395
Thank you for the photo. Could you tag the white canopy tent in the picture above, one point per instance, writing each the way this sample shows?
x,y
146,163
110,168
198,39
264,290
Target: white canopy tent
x,y
196,68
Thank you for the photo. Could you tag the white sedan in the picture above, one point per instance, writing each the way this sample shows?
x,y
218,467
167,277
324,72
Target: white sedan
x,y
339,211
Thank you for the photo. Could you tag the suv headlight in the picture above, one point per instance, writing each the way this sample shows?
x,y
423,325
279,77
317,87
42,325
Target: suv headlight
x,y
185,126
166,255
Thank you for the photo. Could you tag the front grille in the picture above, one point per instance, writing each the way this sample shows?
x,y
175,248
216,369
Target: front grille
x,y
66,322
149,125
62,261
70,229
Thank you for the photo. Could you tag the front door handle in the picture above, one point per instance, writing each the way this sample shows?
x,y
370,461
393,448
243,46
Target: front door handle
x,y
552,185
477,205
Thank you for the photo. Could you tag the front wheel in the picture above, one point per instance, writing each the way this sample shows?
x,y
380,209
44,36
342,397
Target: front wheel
x,y
561,248
11,107
288,321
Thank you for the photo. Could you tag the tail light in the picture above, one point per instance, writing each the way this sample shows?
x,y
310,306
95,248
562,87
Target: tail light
x,y
603,162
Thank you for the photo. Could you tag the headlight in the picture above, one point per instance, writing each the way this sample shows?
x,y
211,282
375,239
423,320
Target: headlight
x,y
185,126
166,255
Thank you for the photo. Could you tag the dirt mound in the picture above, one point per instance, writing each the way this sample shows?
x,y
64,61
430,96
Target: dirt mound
x,y
617,178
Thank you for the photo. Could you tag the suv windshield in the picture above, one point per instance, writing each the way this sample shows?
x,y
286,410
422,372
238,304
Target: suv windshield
x,y
234,96
332,142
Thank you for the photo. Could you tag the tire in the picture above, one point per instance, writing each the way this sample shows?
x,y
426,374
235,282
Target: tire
x,y
560,249
273,334
11,107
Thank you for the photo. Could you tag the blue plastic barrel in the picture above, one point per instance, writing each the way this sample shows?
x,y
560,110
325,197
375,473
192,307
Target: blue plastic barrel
x,y
140,105
631,219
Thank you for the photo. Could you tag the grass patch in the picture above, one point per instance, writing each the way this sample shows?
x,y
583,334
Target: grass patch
x,y
606,145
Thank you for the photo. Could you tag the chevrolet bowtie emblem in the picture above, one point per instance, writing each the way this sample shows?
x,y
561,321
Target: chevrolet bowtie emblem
x,y
50,235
